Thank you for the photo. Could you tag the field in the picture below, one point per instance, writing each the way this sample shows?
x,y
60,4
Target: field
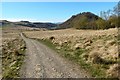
x,y
95,50
13,48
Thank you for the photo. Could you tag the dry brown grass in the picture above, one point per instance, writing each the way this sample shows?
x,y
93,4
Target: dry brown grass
x,y
70,33
12,49
100,45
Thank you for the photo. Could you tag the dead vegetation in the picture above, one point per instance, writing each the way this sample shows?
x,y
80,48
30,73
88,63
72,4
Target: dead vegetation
x,y
12,57
13,52
99,48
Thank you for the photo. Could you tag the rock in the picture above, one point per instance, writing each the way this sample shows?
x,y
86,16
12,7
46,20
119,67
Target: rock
x,y
88,47
88,43
52,37
18,68
12,63
22,49
42,38
54,42
58,47
110,42
60,43
65,41
78,46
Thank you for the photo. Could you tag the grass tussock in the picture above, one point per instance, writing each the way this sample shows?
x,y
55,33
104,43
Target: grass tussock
x,y
12,57
94,50
95,55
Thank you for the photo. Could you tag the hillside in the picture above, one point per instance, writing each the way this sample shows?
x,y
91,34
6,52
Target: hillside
x,y
4,22
45,25
28,24
83,20
75,21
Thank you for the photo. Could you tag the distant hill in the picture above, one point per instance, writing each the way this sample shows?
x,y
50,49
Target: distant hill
x,y
85,20
5,23
29,24
37,24
80,21
25,23
45,25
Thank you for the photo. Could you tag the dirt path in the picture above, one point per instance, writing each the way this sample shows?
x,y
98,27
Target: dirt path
x,y
42,62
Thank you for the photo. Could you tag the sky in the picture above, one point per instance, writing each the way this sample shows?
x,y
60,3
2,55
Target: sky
x,y
50,11
59,0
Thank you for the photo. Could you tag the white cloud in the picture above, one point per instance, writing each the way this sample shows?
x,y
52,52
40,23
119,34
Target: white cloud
x,y
60,0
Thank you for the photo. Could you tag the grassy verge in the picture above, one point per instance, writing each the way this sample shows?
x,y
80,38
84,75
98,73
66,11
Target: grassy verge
x,y
13,53
94,70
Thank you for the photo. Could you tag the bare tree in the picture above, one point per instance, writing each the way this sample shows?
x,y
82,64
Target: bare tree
x,y
116,9
106,15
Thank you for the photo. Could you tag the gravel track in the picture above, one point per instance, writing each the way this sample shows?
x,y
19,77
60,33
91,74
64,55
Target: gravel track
x,y
42,62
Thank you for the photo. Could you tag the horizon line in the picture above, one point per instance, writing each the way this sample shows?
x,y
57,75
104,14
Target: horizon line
x,y
32,21
44,21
